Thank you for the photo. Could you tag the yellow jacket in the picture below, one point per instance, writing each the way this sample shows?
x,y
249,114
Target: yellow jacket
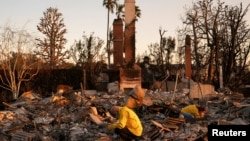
x,y
128,119
191,109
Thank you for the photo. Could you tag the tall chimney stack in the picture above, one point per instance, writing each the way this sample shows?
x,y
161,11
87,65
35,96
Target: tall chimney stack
x,y
188,57
118,41
129,35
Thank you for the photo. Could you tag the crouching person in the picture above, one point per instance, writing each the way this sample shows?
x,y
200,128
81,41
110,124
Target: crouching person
x,y
128,126
193,112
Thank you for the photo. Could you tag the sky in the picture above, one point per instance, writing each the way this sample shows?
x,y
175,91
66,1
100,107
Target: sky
x,y
91,16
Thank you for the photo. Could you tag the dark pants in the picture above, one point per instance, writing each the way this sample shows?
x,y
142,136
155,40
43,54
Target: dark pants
x,y
189,118
126,135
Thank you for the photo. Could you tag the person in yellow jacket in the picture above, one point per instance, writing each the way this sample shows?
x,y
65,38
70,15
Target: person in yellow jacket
x,y
128,126
193,112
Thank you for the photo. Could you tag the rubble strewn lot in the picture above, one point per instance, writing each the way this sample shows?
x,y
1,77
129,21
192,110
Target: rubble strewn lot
x,y
77,116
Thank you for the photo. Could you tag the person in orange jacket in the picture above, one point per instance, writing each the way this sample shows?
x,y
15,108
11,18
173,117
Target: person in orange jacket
x,y
128,126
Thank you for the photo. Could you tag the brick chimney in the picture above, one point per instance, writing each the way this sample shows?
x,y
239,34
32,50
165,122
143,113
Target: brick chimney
x,y
129,36
188,57
118,41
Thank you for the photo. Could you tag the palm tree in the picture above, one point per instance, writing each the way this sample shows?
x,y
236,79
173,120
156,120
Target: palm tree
x,y
120,11
110,5
137,12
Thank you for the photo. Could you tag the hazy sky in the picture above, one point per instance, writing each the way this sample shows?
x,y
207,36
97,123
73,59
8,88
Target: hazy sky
x,y
90,16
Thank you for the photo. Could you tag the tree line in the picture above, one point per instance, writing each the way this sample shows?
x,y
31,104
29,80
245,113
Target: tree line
x,y
219,32
220,38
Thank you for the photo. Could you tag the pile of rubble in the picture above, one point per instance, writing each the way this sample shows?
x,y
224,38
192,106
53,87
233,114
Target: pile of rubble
x,y
82,115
